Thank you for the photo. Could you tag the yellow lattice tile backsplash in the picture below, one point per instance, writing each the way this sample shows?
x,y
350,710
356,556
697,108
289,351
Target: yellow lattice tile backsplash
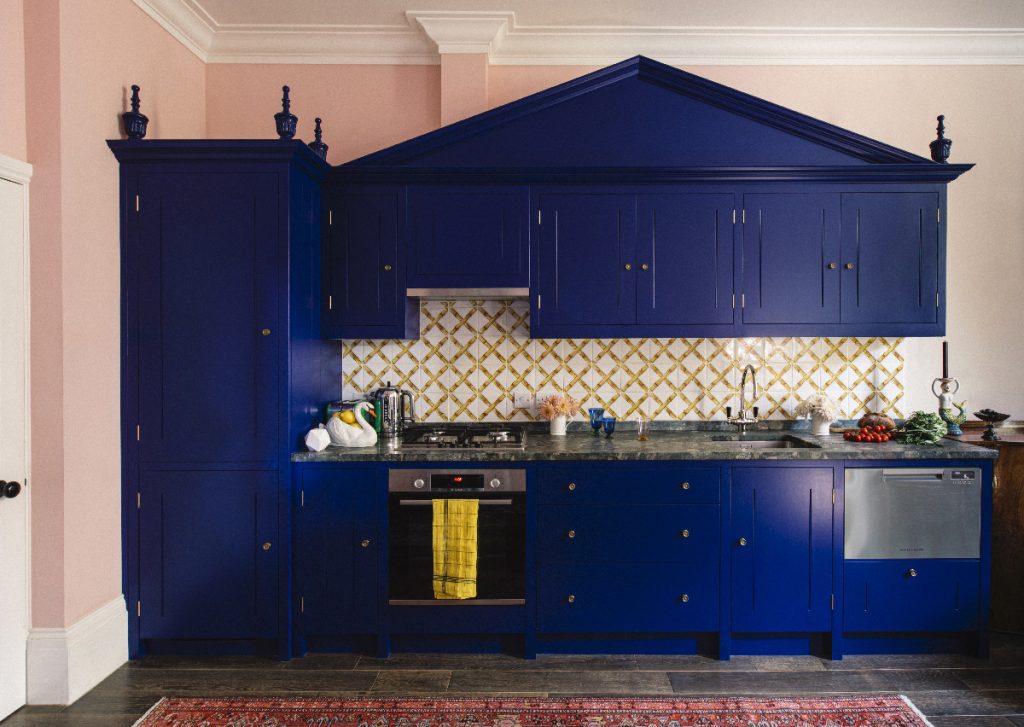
x,y
472,356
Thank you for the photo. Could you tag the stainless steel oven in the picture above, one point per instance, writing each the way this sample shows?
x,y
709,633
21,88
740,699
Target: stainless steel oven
x,y
501,533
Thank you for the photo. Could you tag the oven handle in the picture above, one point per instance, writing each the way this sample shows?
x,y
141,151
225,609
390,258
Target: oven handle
x,y
428,502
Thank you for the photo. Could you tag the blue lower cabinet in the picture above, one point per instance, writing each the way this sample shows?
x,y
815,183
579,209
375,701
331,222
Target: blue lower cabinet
x,y
911,595
338,547
627,597
781,549
628,483
209,549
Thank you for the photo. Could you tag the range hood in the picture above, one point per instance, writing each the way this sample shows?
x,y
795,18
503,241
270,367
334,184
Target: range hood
x,y
466,293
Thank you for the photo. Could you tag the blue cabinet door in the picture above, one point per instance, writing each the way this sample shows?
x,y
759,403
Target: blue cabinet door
x,y
338,545
790,258
469,237
781,541
365,268
890,258
207,252
586,266
685,258
208,551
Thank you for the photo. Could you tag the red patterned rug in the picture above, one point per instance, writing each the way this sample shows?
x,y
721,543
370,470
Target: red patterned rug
x,y
872,711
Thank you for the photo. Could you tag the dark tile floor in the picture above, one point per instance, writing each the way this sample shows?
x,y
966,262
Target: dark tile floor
x,y
950,690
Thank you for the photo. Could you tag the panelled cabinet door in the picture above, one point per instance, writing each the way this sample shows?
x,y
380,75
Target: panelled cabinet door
x,y
208,331
781,541
469,237
208,553
586,266
890,257
338,545
790,258
364,276
685,256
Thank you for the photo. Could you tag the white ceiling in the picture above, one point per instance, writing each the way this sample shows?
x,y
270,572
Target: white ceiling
x,y
594,32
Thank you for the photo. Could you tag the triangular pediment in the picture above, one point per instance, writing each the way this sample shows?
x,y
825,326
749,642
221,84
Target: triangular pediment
x,y
639,114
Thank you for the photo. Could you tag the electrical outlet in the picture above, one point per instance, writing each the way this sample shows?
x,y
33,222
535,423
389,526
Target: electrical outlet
x,y
522,400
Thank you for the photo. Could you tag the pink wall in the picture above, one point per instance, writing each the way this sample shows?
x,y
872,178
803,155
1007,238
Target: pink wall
x,y
12,79
364,108
84,56
463,85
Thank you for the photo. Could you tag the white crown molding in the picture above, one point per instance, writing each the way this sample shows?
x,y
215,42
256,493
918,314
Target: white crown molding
x,y
430,33
15,170
463,31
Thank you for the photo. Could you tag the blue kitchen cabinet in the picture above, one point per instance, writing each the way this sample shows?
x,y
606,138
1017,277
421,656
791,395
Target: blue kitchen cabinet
x,y
469,237
790,258
890,258
780,535
223,371
337,550
364,264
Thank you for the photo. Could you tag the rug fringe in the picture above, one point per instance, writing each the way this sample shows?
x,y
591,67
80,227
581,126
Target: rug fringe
x,y
918,712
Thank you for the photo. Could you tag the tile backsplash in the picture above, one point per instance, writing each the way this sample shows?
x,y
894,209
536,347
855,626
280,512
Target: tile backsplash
x,y
473,357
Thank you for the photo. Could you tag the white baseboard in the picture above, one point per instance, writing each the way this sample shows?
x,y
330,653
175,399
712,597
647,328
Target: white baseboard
x,y
64,664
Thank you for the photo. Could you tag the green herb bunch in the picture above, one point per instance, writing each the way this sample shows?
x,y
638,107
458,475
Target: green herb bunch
x,y
922,428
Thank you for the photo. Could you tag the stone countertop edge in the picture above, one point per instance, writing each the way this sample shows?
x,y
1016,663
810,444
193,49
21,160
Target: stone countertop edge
x,y
663,445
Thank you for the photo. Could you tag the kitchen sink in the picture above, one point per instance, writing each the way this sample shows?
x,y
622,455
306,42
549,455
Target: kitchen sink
x,y
744,442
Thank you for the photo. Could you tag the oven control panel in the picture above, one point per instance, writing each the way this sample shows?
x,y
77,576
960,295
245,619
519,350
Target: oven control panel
x,y
448,481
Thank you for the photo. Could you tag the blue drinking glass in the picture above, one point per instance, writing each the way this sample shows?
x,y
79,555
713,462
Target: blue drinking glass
x,y
596,414
609,425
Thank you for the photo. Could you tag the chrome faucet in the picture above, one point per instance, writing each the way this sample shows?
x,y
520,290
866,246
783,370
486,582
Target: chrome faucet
x,y
742,420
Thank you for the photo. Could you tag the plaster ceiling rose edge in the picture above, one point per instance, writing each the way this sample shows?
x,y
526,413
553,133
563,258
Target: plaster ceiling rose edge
x,y
430,33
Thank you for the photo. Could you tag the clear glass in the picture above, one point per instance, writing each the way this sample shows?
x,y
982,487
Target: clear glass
x,y
643,428
609,425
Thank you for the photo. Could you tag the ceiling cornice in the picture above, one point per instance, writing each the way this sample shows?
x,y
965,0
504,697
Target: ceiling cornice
x,y
430,33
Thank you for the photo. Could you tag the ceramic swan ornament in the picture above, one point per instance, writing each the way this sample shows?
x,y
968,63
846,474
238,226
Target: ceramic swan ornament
x,y
346,435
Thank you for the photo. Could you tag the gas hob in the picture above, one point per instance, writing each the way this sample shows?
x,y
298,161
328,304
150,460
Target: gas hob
x,y
495,436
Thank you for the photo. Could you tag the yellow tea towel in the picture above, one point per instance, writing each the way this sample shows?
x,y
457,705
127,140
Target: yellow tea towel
x,y
455,548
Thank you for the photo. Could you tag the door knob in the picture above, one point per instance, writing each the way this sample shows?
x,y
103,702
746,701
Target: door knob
x,y
684,533
9,489
645,266
387,268
627,266
831,266
849,266
743,541
364,544
267,546
912,573
571,598
572,534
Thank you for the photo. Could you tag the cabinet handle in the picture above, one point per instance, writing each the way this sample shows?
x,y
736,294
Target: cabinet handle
x,y
572,486
684,533
849,266
912,573
571,598
832,266
364,544
684,486
743,542
645,266
387,268
627,266
266,546
685,598
572,534
265,331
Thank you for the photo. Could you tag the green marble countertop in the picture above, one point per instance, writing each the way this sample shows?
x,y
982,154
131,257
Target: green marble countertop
x,y
664,444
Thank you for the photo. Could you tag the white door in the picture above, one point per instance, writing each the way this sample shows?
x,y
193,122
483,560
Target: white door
x,y
14,510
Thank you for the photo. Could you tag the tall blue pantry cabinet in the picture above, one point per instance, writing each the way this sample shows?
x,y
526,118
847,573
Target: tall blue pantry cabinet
x,y
223,371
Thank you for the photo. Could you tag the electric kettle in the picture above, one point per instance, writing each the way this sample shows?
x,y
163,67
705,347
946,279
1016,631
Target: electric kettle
x,y
392,410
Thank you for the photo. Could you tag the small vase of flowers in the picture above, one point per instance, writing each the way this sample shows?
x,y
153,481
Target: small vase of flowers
x,y
557,409
822,411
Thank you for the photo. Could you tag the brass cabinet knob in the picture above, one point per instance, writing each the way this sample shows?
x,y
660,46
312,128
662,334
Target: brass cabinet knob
x,y
849,266
627,266
387,268
912,573
743,542
571,598
265,331
684,486
266,546
645,266
572,486
831,266
364,544
684,533
572,534
685,598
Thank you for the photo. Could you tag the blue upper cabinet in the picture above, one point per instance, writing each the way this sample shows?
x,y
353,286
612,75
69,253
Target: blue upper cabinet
x,y
469,236
684,208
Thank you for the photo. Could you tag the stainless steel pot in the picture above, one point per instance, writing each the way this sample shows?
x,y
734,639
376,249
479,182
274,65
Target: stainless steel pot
x,y
393,414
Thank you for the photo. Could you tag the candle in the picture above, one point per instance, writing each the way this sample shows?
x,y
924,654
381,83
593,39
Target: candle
x,y
945,359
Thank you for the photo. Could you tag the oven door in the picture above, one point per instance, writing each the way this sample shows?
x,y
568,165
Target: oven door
x,y
501,549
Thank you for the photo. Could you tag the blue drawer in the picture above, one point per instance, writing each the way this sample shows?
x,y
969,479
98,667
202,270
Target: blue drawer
x,y
633,597
911,595
667,533
632,483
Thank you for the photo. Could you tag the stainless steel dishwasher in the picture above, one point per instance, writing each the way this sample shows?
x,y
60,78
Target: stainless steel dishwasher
x,y
908,512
